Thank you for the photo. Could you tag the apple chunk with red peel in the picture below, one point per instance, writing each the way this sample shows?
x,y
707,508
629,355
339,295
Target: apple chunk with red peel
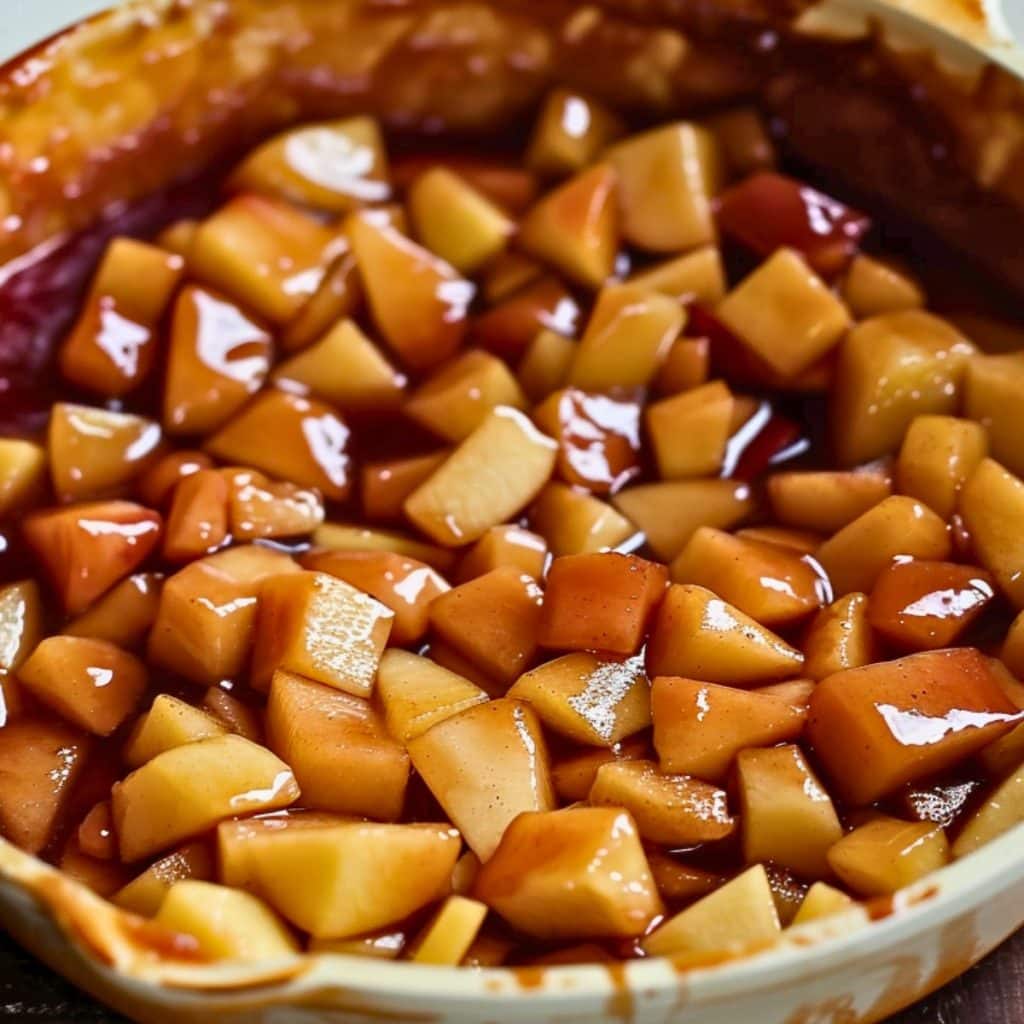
x,y
485,766
86,549
338,747
185,791
878,727
322,628
491,477
572,874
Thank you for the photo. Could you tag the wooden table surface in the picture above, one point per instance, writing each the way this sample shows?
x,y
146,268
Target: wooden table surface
x,y
992,993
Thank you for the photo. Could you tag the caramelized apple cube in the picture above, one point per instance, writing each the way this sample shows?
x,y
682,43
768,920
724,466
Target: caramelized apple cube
x,y
258,508
685,368
667,177
504,546
144,894
124,615
826,500
447,939
993,391
22,474
573,774
310,442
699,636
40,762
187,790
774,585
156,485
507,273
939,455
177,237
886,855
576,873
992,506
322,628
338,747
878,727
670,513
236,716
839,638
169,723
21,623
485,766
699,728
86,549
872,287
744,141
95,835
697,276
226,923
574,228
569,133
346,537
493,474
600,601
893,368
592,700
507,184
803,541
672,810
385,485
331,165
544,367
94,452
508,328
338,297
346,369
628,335
197,523
1002,810
822,900
688,432
265,254
740,915
857,554
575,523
457,399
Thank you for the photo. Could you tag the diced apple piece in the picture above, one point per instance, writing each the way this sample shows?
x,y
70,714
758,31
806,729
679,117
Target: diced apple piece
x,y
774,585
629,333
94,452
699,636
600,601
678,882
338,297
878,727
699,728
672,810
575,523
544,367
939,455
197,523
573,775
574,227
227,924
112,347
569,133
95,835
886,855
332,165
22,474
992,506
455,221
993,392
670,513
457,399
486,765
505,546
338,747
309,874
177,237
1002,810
402,584
169,723
447,939
826,500
419,302
571,874
508,328
697,276
310,442
124,615
21,623
145,893
740,915
40,762
743,139
322,628
803,541
788,817
822,900
488,479
350,537
839,638
685,368
507,273
259,508
156,485
589,699
187,790
688,432
346,369
785,314
264,253
872,287
857,554
237,717
922,606
385,485
667,177
891,369
417,693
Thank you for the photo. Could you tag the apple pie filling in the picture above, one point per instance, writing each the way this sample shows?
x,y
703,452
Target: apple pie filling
x,y
595,553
